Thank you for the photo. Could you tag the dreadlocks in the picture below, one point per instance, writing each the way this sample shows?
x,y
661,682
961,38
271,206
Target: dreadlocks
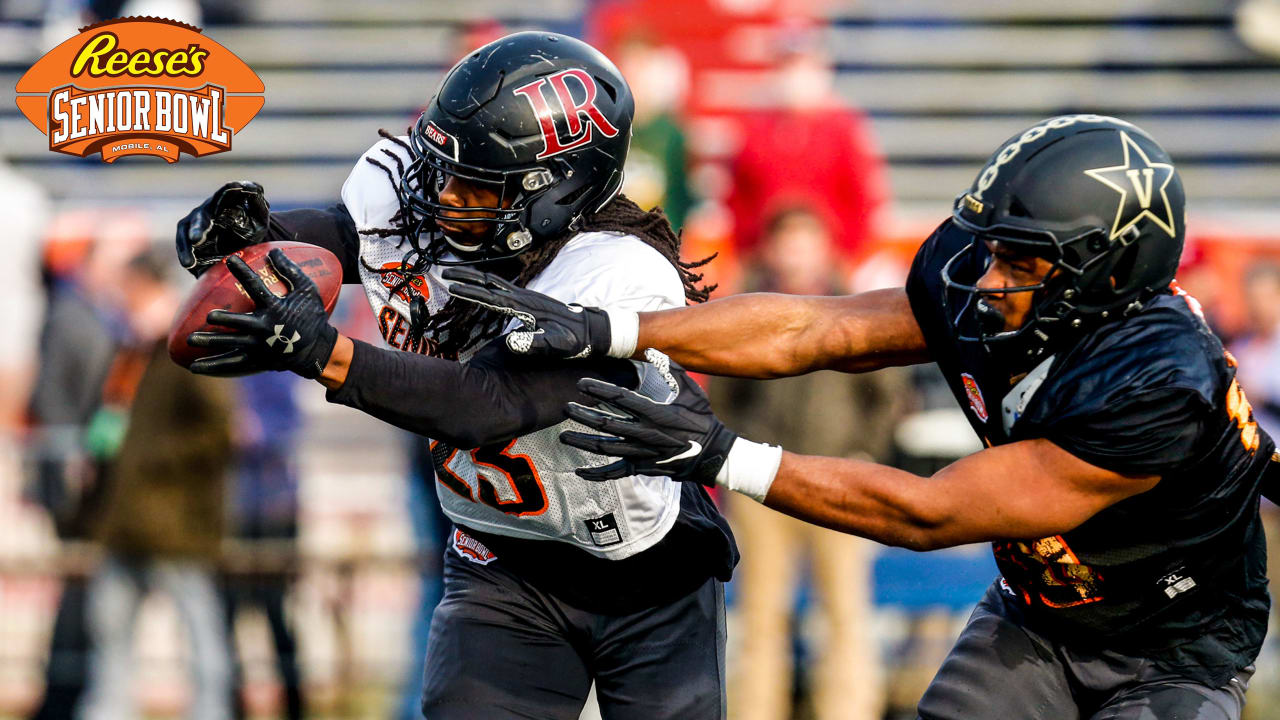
x,y
462,326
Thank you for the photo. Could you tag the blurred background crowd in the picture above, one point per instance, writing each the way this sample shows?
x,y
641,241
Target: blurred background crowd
x,y
176,546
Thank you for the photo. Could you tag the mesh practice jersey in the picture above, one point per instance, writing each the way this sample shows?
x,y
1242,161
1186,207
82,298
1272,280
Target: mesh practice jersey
x,y
527,488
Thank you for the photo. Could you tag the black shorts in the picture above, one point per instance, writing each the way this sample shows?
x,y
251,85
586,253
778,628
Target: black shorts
x,y
501,648
1001,669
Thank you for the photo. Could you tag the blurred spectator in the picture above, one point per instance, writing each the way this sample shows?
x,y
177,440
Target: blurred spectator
x,y
76,348
264,514
810,150
1258,351
78,343
1199,279
820,413
656,166
24,206
162,519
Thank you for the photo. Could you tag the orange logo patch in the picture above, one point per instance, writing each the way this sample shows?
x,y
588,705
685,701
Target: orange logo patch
x,y
976,402
393,277
140,86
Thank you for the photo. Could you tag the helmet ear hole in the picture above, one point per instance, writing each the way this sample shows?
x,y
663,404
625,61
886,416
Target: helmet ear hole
x,y
1123,270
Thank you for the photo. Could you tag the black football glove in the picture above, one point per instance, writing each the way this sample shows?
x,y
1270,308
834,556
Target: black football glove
x,y
549,328
683,439
283,333
232,219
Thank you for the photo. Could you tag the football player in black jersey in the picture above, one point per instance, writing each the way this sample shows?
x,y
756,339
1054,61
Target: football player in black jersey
x,y
1123,468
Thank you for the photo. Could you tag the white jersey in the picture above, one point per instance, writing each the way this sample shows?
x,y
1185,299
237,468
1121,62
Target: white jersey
x,y
482,488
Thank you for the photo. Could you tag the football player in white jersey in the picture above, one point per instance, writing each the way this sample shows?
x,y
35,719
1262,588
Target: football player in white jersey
x,y
551,581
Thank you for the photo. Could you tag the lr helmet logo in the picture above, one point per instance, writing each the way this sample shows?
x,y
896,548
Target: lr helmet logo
x,y
581,117
140,86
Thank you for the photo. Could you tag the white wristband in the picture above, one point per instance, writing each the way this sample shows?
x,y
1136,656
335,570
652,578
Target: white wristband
x,y
750,468
624,331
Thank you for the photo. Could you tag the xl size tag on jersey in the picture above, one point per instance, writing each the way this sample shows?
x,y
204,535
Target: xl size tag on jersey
x,y
1176,583
604,530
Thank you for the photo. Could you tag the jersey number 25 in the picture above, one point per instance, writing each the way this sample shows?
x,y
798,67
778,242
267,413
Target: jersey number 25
x,y
492,475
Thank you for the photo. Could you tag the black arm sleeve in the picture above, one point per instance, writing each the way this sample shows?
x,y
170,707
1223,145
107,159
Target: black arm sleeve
x,y
494,398
331,228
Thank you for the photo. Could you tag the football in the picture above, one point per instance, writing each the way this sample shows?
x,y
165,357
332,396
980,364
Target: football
x,y
218,289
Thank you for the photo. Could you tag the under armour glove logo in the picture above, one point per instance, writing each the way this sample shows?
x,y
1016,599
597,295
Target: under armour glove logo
x,y
282,333
279,335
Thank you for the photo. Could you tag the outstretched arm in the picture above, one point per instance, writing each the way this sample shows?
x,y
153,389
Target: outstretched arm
x,y
1026,489
767,335
759,335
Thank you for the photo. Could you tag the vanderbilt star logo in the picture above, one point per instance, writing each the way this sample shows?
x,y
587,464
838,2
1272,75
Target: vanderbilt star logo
x,y
279,335
1141,184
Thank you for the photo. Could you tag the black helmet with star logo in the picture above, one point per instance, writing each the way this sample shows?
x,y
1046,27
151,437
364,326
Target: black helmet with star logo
x,y
1094,195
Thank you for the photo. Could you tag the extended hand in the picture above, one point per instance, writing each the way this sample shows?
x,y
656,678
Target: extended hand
x,y
283,333
682,439
549,328
231,219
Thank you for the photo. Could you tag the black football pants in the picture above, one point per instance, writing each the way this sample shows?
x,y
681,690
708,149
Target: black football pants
x,y
499,648
999,669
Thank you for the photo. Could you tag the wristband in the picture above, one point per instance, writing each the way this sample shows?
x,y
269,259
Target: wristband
x,y
750,468
624,331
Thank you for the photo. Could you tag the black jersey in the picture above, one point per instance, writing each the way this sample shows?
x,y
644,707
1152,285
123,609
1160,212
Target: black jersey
x,y
1153,394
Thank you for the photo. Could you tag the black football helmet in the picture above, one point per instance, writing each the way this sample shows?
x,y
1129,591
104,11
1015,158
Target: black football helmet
x,y
545,118
1098,198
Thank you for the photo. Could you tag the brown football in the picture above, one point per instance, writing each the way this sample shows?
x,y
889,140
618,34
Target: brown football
x,y
217,289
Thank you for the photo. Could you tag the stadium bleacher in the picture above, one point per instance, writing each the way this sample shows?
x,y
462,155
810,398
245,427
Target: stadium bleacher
x,y
943,82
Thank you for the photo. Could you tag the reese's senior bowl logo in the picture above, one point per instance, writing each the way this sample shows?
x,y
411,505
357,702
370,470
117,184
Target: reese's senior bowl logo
x,y
140,86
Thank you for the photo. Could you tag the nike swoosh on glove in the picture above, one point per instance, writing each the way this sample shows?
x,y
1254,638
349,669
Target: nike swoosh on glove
x,y
548,327
681,439
283,333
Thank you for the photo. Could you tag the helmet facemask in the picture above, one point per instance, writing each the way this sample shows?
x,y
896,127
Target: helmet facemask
x,y
507,219
1077,288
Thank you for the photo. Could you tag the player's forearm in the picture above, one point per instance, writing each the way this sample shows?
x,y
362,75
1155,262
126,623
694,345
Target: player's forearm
x,y
466,405
769,335
874,501
753,335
